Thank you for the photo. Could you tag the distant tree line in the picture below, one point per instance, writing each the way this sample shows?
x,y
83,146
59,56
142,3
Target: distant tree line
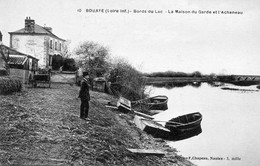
x,y
173,74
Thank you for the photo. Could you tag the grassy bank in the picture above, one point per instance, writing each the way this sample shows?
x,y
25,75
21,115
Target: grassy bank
x,y
41,126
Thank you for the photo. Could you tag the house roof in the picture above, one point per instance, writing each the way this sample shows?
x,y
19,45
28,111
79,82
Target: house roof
x,y
37,30
14,52
17,59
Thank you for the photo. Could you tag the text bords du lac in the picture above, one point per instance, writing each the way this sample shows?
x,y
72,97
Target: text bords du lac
x,y
158,11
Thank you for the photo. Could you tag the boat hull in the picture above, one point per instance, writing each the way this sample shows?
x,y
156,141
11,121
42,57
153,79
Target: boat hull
x,y
185,125
159,131
153,128
153,103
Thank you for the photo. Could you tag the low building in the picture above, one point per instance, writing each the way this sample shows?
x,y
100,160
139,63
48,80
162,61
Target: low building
x,y
19,64
38,42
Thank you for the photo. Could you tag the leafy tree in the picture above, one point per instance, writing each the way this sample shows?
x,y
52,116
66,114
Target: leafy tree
x,y
65,51
69,64
93,57
196,74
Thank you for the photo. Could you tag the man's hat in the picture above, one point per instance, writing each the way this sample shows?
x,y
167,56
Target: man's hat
x,y
85,73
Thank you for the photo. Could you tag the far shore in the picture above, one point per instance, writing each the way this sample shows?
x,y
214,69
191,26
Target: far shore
x,y
156,80
238,80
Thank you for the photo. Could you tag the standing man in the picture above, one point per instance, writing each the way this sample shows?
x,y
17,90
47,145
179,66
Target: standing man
x,y
84,96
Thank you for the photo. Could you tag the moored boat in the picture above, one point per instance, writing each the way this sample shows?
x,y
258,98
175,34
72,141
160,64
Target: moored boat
x,y
186,125
151,127
153,103
157,130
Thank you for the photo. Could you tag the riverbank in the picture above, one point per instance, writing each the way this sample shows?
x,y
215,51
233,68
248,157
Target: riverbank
x,y
41,126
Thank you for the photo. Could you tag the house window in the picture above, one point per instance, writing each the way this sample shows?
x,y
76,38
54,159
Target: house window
x,y
60,46
50,44
50,60
55,45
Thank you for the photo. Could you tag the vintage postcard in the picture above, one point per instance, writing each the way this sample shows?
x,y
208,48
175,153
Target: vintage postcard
x,y
129,82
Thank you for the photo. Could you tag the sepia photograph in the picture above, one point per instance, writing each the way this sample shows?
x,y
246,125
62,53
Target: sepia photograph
x,y
128,82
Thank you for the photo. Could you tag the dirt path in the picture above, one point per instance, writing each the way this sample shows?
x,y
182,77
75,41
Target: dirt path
x,y
41,126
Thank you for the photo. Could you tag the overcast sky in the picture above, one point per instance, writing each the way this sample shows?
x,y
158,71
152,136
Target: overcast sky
x,y
210,43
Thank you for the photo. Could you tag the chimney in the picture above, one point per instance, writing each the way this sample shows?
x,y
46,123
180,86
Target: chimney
x,y
29,25
1,37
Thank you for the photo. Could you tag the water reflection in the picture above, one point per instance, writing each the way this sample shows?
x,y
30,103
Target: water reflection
x,y
237,89
188,135
230,121
171,85
185,126
244,83
215,84
223,85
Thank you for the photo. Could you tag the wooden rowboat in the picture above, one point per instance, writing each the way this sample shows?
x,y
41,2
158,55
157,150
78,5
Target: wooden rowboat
x,y
157,130
186,125
151,127
153,103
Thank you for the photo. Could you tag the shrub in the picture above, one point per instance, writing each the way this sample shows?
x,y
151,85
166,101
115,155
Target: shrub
x,y
9,85
123,91
3,72
69,64
129,78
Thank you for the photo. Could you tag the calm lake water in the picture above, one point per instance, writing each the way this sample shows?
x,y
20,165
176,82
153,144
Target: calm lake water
x,y
230,124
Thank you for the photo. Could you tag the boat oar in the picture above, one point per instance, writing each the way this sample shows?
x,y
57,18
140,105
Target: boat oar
x,y
170,122
141,114
150,118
